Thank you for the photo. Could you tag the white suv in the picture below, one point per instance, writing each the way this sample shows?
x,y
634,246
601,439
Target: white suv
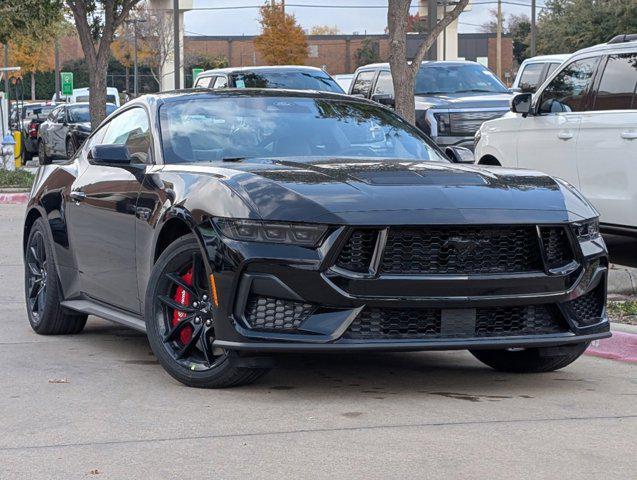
x,y
581,125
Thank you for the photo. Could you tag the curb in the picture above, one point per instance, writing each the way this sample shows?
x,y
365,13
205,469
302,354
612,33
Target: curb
x,y
14,198
622,280
621,346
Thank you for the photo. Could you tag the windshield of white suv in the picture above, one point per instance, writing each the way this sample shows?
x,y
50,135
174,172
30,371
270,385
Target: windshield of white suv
x,y
293,80
453,79
208,129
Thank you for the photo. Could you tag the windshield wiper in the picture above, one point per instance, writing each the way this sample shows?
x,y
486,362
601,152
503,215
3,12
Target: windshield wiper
x,y
478,90
233,159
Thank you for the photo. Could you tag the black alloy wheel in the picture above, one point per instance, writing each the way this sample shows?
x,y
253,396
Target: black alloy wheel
x,y
180,321
36,276
42,288
70,148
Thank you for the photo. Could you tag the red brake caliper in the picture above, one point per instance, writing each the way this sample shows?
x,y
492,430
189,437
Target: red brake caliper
x,y
183,298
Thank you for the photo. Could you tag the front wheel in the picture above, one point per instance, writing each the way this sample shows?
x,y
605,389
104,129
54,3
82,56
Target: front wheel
x,y
180,322
70,148
531,360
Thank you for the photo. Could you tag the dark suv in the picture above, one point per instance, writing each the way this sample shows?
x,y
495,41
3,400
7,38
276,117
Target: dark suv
x,y
452,98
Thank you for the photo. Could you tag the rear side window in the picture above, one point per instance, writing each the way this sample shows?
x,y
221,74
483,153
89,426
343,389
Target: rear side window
x,y
202,82
530,78
384,84
220,82
568,91
617,86
363,83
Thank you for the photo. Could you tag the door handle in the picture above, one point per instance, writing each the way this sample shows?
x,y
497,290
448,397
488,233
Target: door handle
x,y
565,135
629,135
77,195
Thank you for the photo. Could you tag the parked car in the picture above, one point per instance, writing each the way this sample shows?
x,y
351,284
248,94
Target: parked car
x,y
452,98
232,224
534,71
344,80
286,77
27,118
81,95
581,125
65,130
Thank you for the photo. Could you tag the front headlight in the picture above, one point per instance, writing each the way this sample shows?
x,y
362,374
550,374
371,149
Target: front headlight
x,y
303,234
587,230
477,138
444,123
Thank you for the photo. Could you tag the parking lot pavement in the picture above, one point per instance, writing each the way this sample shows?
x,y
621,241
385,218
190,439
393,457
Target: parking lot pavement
x,y
98,404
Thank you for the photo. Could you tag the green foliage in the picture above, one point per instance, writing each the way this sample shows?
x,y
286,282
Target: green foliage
x,y
369,52
28,17
201,60
16,179
568,25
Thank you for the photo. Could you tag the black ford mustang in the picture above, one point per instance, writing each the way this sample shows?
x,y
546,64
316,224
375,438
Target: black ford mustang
x,y
234,224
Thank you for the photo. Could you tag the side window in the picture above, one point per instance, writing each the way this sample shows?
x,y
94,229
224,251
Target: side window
x,y
96,138
551,68
131,128
220,82
384,84
202,82
60,116
530,78
53,114
363,83
617,86
568,90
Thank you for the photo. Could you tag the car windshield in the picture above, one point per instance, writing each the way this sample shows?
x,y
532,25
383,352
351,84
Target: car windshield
x,y
80,114
85,98
451,79
208,129
286,79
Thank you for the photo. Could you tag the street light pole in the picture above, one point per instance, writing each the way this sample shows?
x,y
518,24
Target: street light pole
x,y
533,29
177,60
498,46
56,60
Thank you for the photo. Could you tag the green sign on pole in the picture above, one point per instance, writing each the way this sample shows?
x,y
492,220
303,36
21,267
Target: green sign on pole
x,y
67,83
195,73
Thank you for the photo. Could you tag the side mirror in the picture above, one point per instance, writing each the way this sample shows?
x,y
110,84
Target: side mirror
x,y
384,99
522,103
110,154
460,155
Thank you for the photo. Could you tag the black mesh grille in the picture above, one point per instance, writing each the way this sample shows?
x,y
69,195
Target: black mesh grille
x,y
357,252
461,250
267,313
518,320
396,323
384,323
588,308
557,246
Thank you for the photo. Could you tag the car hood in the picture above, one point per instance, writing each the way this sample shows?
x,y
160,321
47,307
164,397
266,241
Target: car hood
x,y
463,100
387,191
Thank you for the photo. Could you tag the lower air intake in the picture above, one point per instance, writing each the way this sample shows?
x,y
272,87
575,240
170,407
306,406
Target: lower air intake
x,y
275,314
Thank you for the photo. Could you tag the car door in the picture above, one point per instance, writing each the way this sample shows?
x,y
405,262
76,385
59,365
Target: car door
x,y
547,140
607,144
55,131
102,213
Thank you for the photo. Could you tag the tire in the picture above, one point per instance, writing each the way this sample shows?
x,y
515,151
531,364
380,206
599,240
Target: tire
x,y
28,156
70,148
202,366
43,293
43,158
531,360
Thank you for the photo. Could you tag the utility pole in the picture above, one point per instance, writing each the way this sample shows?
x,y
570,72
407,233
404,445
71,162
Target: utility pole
x,y
432,20
498,46
6,73
177,59
283,6
56,60
135,21
444,32
533,30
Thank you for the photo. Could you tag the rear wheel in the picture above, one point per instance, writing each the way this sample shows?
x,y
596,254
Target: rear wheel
x,y
43,291
180,322
42,156
531,360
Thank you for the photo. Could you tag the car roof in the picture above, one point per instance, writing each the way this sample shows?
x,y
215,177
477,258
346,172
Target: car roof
x,y
547,58
436,63
610,47
263,68
176,95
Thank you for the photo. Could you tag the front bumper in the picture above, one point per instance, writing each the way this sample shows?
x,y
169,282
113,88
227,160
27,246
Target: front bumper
x,y
295,278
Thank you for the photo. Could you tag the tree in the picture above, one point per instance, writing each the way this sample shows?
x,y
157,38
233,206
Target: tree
x,y
403,73
32,55
568,25
122,50
282,40
29,17
324,30
367,53
96,23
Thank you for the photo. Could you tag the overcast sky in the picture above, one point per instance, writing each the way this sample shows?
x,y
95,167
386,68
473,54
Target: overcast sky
x,y
243,21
